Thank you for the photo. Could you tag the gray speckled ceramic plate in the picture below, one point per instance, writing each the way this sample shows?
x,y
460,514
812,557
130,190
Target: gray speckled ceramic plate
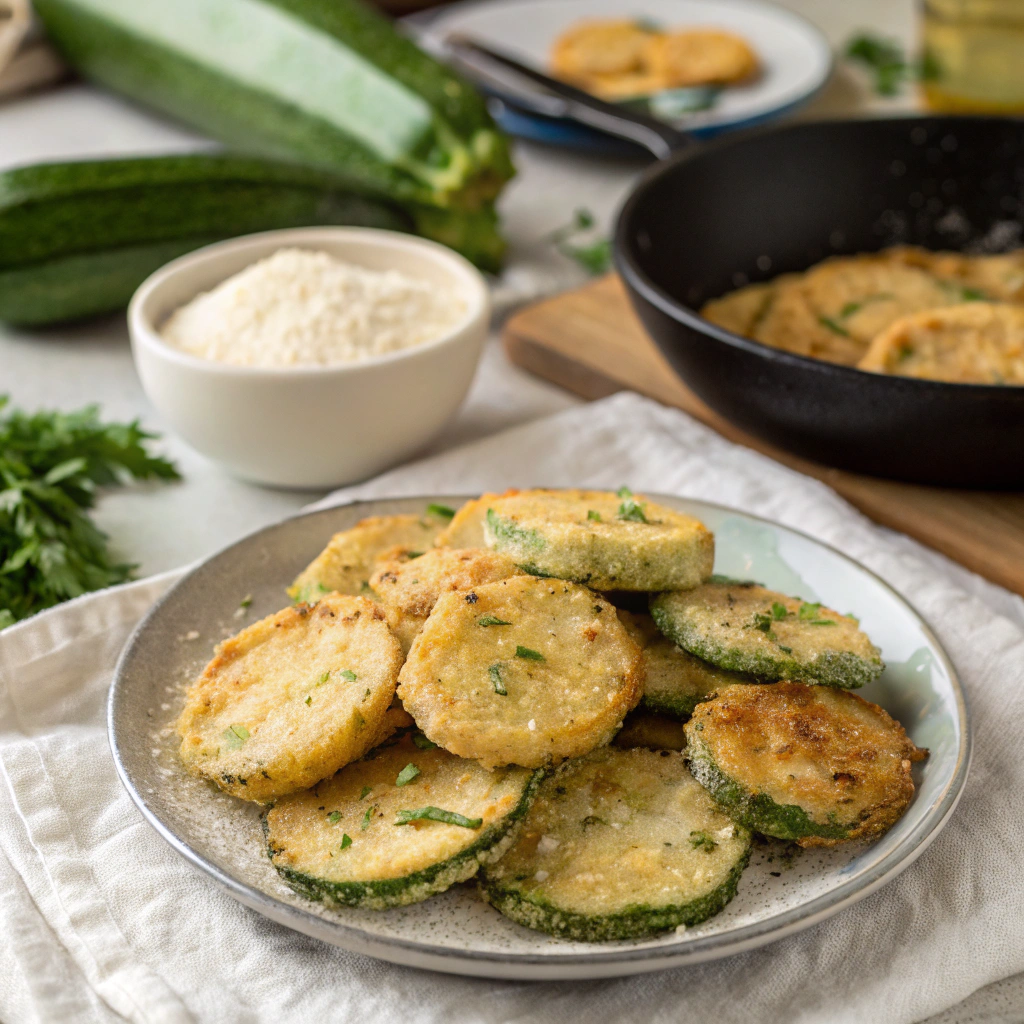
x,y
457,932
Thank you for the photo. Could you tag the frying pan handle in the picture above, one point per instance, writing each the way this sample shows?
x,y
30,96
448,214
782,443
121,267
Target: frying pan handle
x,y
563,100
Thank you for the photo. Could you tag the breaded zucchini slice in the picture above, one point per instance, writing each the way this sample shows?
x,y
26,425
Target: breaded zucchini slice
x,y
643,728
676,681
400,825
620,844
345,564
292,698
745,627
466,528
408,583
526,671
811,763
607,541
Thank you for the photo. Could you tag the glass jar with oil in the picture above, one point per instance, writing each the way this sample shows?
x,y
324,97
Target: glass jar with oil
x,y
973,58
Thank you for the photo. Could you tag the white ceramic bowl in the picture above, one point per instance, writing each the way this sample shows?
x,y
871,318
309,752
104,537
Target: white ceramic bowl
x,y
312,427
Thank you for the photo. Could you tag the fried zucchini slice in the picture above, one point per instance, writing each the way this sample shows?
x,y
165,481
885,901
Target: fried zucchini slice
x,y
620,844
808,763
408,584
345,841
745,627
607,541
345,564
526,671
647,729
466,528
292,698
675,681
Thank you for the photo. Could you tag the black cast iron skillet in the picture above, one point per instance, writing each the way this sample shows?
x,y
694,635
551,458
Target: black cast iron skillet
x,y
747,207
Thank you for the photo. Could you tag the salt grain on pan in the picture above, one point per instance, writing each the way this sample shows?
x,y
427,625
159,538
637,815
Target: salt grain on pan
x,y
303,308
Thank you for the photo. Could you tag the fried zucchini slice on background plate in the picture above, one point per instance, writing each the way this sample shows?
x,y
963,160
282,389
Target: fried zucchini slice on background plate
x,y
292,698
607,541
346,841
466,528
675,681
408,584
808,763
745,627
620,844
525,671
345,564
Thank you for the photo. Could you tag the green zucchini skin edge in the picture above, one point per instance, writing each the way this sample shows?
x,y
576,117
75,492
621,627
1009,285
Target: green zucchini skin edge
x,y
756,811
398,892
681,707
637,922
841,669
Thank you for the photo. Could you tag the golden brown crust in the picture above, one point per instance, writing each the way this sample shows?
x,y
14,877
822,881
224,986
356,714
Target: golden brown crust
x,y
408,588
292,698
700,57
567,666
838,757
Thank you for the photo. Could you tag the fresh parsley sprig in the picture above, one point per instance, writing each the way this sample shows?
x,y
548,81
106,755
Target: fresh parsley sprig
x,y
594,256
51,467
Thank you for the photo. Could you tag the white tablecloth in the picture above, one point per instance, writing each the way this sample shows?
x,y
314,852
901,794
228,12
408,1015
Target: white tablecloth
x,y
103,922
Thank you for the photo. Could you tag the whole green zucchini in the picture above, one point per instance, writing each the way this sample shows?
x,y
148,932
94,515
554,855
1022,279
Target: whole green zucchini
x,y
329,83
77,239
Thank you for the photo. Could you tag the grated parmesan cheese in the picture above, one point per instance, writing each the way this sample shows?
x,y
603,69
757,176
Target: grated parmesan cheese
x,y
304,308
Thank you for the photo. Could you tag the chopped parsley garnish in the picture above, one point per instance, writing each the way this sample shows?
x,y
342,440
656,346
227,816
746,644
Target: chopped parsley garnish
x,y
440,511
778,611
528,653
407,774
334,817
972,295
491,620
234,736
508,529
593,515
246,601
834,326
701,840
346,841
849,309
822,622
309,700
365,792
886,60
809,611
630,509
410,555
349,675
783,647
422,742
499,687
325,676
366,817
438,814
763,622
594,256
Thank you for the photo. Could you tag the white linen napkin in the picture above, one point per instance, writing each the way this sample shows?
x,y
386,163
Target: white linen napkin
x,y
103,922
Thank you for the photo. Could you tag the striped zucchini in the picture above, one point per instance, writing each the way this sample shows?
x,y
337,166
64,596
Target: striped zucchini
x,y
344,842
332,85
77,239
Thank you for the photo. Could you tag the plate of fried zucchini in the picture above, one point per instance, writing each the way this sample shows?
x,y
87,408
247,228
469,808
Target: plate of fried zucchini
x,y
539,734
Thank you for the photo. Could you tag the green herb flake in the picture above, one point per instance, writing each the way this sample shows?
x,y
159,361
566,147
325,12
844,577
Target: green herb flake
x,y
234,736
809,611
849,309
437,814
884,58
499,687
325,677
309,700
365,792
410,555
422,742
407,774
334,817
349,675
834,326
246,601
783,647
491,620
367,816
630,510
822,622
528,653
593,515
972,295
778,611
763,622
440,511
346,841
702,841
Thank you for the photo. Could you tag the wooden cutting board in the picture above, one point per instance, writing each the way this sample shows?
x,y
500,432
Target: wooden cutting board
x,y
590,342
